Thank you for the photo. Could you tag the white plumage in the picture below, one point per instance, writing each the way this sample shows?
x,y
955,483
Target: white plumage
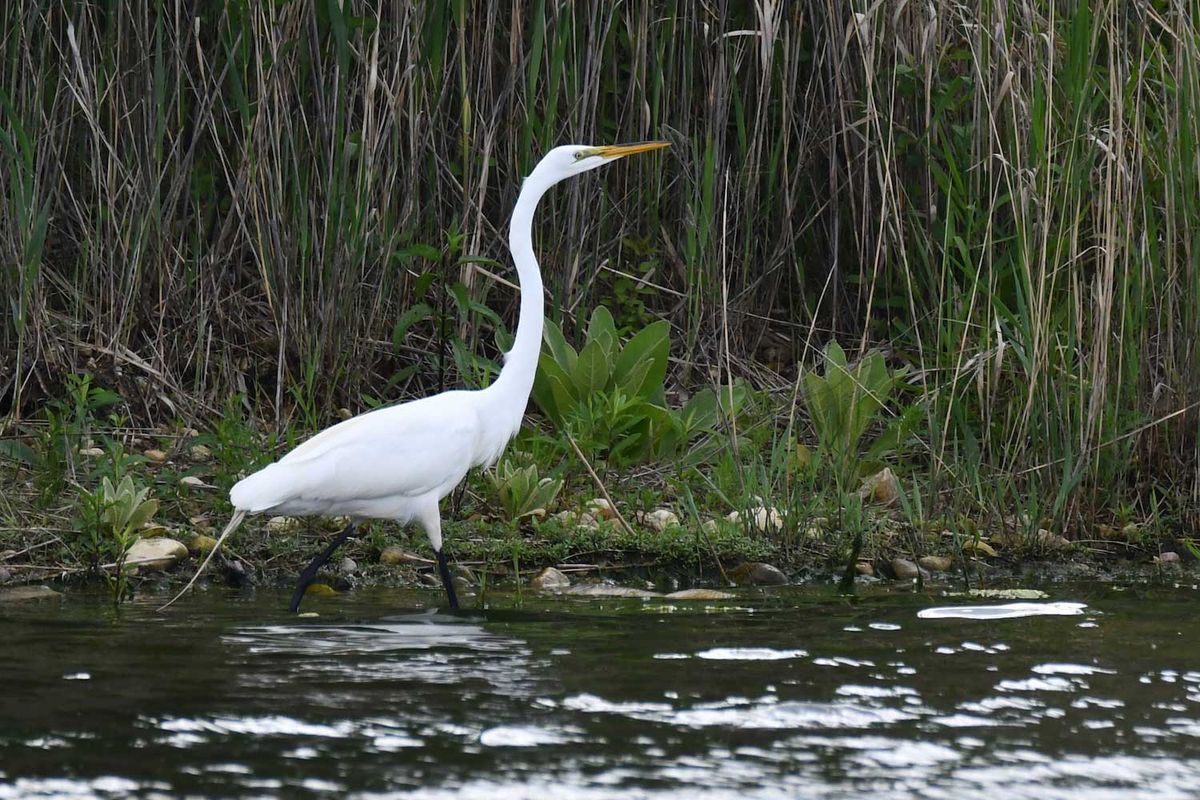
x,y
399,462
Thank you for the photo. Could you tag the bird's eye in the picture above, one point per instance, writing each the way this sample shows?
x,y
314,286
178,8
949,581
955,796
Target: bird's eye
x,y
580,155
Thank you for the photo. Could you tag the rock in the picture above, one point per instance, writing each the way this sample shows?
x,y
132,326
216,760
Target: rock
x,y
282,524
320,590
201,522
158,553
393,556
200,452
91,452
710,526
344,413
195,483
24,594
203,544
979,547
565,518
603,590
151,529
588,522
733,517
865,568
936,563
881,488
1051,541
661,518
348,565
549,580
756,573
699,594
600,508
464,577
905,570
1164,558
157,456
1009,594
766,519
5,575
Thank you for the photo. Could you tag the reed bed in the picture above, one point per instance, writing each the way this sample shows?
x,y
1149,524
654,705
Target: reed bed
x,y
203,199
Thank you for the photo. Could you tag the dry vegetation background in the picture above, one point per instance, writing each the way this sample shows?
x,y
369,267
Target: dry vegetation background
x,y
205,198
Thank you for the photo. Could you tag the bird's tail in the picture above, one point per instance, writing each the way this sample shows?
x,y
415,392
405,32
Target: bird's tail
x,y
236,520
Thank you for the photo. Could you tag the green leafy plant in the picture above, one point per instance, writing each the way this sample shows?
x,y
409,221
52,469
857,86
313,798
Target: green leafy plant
x,y
845,402
521,492
610,394
112,515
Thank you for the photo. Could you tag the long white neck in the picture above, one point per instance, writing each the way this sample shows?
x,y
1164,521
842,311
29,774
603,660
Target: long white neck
x,y
511,388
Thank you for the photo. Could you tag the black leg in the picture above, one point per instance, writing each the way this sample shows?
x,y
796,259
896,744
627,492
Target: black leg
x,y
447,581
310,572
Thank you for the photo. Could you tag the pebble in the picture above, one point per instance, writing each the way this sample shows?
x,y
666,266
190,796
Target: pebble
x,y
864,568
200,452
550,579
600,508
757,573
710,526
700,594
282,524
195,483
348,565
1165,557
22,594
157,553
979,547
157,456
5,575
661,518
202,543
91,451
936,563
1052,541
882,488
602,590
905,570
393,556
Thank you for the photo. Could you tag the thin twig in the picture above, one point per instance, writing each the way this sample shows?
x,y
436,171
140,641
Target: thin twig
x,y
599,485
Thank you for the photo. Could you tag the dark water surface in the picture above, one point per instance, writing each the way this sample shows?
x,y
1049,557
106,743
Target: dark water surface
x,y
796,693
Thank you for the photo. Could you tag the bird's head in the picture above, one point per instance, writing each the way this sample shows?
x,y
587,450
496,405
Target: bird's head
x,y
572,159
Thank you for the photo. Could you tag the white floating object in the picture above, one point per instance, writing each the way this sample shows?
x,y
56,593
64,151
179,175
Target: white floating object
x,y
1003,611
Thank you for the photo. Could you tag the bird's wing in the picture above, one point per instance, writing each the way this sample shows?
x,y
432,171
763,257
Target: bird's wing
x,y
402,451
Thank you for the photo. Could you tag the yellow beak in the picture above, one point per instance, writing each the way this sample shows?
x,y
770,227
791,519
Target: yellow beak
x,y
620,150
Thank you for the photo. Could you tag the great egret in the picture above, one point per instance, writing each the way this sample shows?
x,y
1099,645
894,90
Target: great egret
x,y
399,462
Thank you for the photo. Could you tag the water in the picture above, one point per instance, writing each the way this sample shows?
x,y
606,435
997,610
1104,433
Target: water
x,y
790,694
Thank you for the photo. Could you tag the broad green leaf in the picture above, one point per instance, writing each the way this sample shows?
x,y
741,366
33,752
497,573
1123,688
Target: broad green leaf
x,y
602,329
591,370
652,344
560,351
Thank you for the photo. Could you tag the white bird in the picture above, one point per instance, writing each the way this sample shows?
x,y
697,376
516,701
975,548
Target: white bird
x,y
398,462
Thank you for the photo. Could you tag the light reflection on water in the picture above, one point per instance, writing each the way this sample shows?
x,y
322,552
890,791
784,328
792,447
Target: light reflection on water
x,y
805,695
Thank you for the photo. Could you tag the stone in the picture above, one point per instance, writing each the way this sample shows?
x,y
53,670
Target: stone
x,y
1008,594
157,456
1167,557
549,580
320,590
566,518
344,413
348,566
865,568
195,483
201,522
882,488
91,452
936,563
710,526
5,575
661,518
203,544
394,556
1051,541
282,524
24,594
600,508
905,570
979,547
200,452
700,594
603,590
757,573
157,553
767,519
